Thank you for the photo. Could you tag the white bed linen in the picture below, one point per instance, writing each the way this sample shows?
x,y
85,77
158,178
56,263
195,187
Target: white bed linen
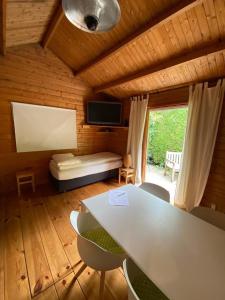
x,y
88,160
81,171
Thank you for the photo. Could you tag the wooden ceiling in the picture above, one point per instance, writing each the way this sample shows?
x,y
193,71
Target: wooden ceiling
x,y
27,20
157,45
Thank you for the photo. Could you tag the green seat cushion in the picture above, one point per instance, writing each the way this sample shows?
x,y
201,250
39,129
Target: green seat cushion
x,y
103,239
146,289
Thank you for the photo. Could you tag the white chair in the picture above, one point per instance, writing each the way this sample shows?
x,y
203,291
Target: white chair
x,y
173,161
139,285
93,254
209,215
156,190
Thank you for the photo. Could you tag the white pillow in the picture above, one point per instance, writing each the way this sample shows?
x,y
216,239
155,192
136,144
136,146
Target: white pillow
x,y
69,165
71,161
61,157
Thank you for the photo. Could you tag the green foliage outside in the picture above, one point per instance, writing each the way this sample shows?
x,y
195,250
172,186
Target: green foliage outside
x,y
166,133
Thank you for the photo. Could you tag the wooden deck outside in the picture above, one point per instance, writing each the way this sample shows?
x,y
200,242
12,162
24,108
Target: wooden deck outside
x,y
38,255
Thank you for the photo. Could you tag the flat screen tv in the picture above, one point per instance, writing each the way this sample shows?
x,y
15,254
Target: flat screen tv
x,y
104,113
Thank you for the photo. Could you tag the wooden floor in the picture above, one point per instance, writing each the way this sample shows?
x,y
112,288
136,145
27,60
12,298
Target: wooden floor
x,y
38,255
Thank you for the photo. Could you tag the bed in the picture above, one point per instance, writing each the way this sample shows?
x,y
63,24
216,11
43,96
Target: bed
x,y
69,172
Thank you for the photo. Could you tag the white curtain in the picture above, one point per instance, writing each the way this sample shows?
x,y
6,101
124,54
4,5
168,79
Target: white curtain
x,y
204,110
137,119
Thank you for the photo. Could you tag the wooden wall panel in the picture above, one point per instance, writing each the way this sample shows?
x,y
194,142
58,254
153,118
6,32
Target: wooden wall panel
x,y
215,188
175,97
2,27
31,75
118,139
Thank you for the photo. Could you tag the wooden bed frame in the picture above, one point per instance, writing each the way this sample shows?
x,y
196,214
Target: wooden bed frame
x,y
70,184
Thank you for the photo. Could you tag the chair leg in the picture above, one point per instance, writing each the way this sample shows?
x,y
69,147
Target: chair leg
x,y
119,177
102,284
126,179
81,270
165,171
82,207
33,184
133,179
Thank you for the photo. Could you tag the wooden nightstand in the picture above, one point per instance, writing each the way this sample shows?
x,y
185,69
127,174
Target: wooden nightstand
x,y
25,177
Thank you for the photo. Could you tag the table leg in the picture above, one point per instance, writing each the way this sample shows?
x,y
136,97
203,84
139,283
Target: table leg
x,y
102,283
119,176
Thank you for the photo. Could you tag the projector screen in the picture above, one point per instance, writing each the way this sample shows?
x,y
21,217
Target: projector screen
x,y
41,128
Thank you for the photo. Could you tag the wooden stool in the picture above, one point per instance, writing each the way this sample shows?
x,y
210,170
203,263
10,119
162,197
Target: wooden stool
x,y
127,173
24,177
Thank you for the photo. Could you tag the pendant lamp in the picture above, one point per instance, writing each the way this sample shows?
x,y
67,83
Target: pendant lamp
x,y
92,15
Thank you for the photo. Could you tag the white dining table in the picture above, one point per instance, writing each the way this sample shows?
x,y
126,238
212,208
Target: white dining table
x,y
183,255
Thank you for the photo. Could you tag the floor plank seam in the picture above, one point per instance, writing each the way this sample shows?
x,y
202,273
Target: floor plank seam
x,y
42,203
72,267
58,236
38,228
24,251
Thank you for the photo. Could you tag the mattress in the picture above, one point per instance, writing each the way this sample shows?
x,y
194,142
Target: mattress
x,y
80,171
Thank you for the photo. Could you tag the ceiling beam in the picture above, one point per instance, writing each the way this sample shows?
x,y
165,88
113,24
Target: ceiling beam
x,y
212,81
3,27
162,18
58,15
168,63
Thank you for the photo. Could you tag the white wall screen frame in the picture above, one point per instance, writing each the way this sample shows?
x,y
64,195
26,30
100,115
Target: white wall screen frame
x,y
42,128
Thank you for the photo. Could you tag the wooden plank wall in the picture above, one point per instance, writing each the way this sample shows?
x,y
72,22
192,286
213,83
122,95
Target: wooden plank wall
x,y
174,97
118,139
215,188
30,74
